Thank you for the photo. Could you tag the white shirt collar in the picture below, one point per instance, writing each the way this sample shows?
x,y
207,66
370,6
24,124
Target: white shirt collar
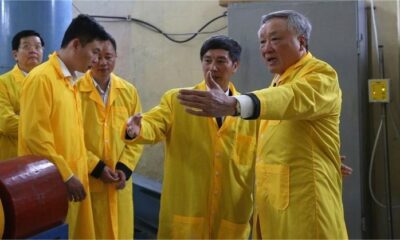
x,y
99,88
103,93
66,72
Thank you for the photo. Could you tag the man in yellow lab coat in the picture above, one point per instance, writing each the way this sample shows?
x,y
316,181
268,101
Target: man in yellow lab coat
x,y
107,102
298,178
27,49
209,162
51,122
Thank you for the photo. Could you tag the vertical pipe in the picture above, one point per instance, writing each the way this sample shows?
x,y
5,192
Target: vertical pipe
x,y
50,18
386,154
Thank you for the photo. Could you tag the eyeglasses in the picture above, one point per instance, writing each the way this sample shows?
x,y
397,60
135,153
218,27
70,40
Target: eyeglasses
x,y
27,47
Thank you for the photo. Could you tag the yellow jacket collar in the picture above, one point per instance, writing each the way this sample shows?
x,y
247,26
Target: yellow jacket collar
x,y
86,83
18,73
55,61
280,78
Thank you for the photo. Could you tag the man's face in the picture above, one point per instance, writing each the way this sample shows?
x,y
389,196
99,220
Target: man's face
x,y
29,53
87,56
218,62
279,45
106,62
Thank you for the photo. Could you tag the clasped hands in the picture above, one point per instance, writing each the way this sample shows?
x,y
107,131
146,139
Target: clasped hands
x,y
76,191
109,176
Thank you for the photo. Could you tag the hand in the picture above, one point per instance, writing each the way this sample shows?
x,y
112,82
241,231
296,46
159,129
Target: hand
x,y
109,176
76,191
122,179
134,125
345,170
212,103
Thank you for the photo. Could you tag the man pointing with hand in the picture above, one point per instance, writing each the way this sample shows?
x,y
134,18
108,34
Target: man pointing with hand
x,y
298,178
209,162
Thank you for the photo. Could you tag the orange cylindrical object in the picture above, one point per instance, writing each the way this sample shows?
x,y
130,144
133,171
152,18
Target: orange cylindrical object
x,y
33,194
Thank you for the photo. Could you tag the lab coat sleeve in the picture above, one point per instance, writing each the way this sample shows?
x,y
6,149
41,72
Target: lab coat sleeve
x,y
8,118
132,152
93,160
311,96
36,127
157,122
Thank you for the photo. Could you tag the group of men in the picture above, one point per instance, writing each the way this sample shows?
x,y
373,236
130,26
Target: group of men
x,y
270,158
75,123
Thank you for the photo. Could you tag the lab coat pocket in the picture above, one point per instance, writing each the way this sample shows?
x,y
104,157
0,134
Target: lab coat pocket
x,y
245,149
231,230
187,227
273,181
119,116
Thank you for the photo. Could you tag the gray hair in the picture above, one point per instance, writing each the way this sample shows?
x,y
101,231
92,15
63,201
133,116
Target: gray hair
x,y
298,22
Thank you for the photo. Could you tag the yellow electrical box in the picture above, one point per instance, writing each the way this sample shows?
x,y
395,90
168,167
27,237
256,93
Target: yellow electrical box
x,y
378,90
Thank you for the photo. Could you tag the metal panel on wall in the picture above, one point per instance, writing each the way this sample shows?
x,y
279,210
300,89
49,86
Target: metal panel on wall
x,y
339,38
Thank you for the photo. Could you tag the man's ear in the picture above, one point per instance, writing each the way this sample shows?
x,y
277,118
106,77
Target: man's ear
x,y
14,54
236,66
75,43
302,41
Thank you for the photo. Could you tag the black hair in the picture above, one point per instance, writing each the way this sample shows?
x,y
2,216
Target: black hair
x,y
23,34
86,29
222,42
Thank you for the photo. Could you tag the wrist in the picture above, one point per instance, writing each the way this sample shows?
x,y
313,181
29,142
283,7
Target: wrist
x,y
130,134
237,108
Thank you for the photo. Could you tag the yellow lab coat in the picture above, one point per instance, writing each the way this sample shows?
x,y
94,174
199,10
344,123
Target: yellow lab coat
x,y
208,171
10,89
298,179
51,126
104,132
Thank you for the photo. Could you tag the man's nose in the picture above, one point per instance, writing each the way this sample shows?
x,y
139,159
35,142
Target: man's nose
x,y
33,50
101,61
267,47
95,60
